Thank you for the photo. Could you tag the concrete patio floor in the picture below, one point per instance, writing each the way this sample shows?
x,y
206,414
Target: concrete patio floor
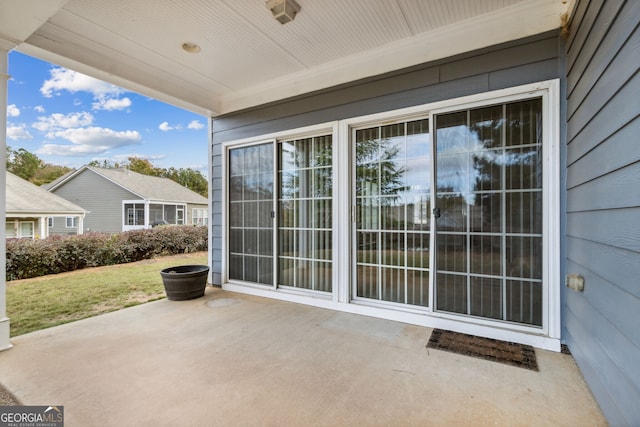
x,y
235,360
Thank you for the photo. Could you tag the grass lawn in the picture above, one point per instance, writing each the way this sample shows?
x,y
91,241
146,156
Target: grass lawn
x,y
43,302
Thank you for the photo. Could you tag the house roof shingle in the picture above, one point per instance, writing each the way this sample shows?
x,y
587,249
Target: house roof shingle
x,y
24,197
145,186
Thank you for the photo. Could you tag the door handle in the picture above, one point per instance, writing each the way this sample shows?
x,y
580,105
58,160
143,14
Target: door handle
x,y
436,213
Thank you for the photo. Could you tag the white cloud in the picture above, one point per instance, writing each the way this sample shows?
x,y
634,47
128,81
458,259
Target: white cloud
x,y
111,104
105,94
39,108
13,111
195,125
72,81
89,140
69,150
58,121
18,132
164,126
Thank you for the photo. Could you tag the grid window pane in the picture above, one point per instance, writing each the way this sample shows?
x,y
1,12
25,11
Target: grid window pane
x,y
486,297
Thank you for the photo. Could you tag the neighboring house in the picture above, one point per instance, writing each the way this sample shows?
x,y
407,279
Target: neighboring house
x,y
32,212
122,200
446,164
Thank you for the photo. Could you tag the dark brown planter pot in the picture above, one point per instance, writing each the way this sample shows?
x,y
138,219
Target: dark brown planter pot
x,y
185,282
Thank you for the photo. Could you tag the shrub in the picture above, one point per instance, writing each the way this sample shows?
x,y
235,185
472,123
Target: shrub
x,y
57,254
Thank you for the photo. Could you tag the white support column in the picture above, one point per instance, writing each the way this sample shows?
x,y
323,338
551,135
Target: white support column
x,y
80,224
44,227
4,320
210,197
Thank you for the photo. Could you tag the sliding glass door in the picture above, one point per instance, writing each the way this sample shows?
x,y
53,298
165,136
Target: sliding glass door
x,y
251,201
489,200
281,234
442,212
305,213
392,202
485,210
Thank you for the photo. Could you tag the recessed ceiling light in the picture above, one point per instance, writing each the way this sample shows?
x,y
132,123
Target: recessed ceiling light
x,y
191,47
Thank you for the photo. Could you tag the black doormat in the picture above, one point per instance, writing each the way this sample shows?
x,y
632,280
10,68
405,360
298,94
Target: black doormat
x,y
522,356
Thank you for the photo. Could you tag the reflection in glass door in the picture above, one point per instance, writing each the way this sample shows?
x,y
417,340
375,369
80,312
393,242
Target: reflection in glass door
x,y
392,202
489,196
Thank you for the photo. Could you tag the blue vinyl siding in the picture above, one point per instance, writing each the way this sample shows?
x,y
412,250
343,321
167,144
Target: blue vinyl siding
x,y
602,324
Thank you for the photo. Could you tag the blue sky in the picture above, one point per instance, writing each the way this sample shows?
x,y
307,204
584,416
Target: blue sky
x,y
67,118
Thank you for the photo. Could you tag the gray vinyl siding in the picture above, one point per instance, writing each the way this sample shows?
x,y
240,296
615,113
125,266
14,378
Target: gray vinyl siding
x,y
99,196
60,227
602,324
515,63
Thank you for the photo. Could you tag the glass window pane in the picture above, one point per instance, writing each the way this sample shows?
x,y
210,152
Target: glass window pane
x,y
367,281
322,276
418,250
322,151
264,214
524,302
486,255
286,271
322,245
524,122
393,249
485,216
236,267
367,252
524,212
322,213
393,282
524,257
487,125
418,287
451,292
453,213
322,182
486,297
523,168
452,252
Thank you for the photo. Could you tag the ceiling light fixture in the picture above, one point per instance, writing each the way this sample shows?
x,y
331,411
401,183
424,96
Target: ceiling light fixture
x,y
283,10
191,47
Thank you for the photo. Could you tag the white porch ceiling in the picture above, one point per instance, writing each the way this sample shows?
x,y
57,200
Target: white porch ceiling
x,y
247,57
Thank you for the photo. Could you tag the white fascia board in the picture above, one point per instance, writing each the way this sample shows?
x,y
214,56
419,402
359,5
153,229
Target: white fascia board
x,y
524,19
11,215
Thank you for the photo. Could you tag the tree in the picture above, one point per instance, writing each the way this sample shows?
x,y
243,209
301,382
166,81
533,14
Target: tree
x,y
105,164
142,166
22,163
192,179
48,173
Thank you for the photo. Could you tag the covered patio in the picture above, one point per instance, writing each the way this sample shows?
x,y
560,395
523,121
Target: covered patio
x,y
234,359
556,260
